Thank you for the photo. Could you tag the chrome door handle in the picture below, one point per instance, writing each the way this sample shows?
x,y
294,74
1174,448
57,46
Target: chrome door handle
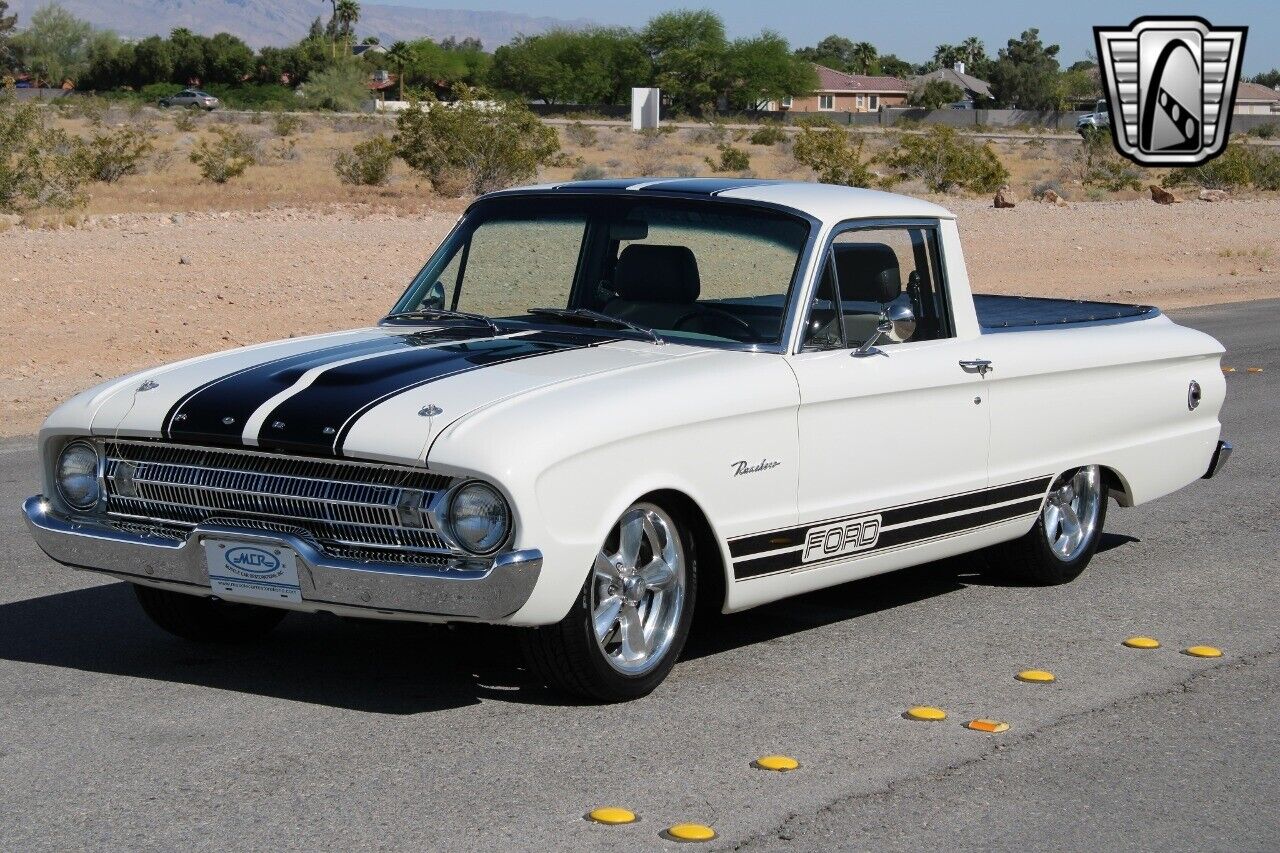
x,y
980,366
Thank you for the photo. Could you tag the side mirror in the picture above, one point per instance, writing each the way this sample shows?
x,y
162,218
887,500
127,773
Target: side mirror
x,y
897,323
434,297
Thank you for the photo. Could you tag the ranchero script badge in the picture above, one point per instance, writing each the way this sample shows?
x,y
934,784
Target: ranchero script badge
x,y
743,467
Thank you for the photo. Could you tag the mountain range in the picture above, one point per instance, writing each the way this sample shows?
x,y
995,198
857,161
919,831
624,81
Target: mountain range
x,y
281,22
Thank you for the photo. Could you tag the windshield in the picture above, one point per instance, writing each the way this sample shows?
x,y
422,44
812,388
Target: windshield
x,y
689,270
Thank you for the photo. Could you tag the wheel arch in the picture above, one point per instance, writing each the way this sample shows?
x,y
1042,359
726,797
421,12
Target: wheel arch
x,y
1117,485
708,551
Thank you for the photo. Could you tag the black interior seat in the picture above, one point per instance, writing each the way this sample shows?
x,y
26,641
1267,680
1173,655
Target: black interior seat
x,y
655,285
868,273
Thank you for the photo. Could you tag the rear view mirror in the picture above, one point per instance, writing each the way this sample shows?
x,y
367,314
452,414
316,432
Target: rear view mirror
x,y
434,297
629,231
897,323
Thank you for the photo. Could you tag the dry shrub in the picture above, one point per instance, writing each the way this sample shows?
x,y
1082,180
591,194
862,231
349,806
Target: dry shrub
x,y
367,164
581,135
228,155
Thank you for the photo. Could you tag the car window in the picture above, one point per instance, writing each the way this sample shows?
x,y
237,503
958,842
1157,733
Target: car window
x,y
688,269
511,265
875,267
824,328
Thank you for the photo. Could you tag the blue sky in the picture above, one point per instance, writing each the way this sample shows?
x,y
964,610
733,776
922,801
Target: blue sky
x,y
912,29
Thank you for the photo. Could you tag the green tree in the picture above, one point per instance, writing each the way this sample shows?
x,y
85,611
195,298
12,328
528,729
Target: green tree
x,y
55,46
227,59
341,87
346,13
188,56
833,51
864,59
1025,75
597,66
893,66
1270,79
7,24
763,69
687,49
936,94
1076,85
399,57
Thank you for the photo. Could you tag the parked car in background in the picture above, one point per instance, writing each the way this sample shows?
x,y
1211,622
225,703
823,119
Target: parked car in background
x,y
1099,118
193,98
603,402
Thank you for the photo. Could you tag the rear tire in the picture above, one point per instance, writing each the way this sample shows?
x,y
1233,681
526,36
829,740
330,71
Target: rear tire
x,y
630,621
1065,536
206,620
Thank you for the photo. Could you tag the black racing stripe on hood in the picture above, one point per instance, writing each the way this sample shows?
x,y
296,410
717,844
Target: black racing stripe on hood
x,y
318,418
200,415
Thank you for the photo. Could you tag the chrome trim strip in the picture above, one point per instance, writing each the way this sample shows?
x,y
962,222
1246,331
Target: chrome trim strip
x,y
470,589
1219,461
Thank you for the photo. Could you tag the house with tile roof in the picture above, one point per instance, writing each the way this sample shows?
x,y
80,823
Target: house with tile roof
x,y
849,93
975,91
1256,99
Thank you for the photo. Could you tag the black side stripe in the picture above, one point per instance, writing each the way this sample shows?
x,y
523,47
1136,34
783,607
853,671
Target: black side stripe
x,y
920,523
904,514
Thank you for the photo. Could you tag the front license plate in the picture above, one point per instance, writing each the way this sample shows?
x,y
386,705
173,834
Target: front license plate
x,y
239,571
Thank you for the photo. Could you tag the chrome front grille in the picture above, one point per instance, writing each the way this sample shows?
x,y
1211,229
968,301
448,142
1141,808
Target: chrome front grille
x,y
341,505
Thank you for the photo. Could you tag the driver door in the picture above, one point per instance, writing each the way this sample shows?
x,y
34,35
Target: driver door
x,y
885,432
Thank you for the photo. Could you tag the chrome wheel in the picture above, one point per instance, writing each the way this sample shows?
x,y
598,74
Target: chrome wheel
x,y
1071,512
638,590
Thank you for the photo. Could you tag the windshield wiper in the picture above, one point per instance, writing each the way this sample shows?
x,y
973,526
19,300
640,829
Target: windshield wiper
x,y
598,318
444,314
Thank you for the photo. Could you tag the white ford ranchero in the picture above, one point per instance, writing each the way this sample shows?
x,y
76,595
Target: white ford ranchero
x,y
601,403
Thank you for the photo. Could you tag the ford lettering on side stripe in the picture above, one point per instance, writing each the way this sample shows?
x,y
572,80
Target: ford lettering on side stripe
x,y
834,540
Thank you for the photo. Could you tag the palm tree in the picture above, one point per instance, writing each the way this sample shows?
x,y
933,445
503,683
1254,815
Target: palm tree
x,y
347,12
333,21
863,57
400,57
974,50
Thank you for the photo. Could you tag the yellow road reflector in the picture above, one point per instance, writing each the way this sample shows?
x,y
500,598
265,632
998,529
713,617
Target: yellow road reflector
x,y
927,713
1142,643
1203,652
612,815
1255,369
1228,370
781,763
690,832
993,727
1035,676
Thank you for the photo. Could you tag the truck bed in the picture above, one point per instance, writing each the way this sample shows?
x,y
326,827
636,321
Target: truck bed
x,y
1020,313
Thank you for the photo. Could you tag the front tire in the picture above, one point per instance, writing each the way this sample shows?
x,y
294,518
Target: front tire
x,y
206,620
629,623
1065,535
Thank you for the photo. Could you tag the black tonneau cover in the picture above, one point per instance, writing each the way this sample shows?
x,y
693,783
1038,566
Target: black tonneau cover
x,y
1019,313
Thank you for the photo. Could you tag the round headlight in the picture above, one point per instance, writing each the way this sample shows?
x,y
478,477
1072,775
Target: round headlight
x,y
78,475
478,518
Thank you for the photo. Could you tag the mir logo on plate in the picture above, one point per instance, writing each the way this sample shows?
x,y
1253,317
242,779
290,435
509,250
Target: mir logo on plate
x,y
1170,85
843,537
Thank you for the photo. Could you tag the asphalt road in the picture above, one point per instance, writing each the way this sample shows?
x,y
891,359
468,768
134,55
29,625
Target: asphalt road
x,y
351,735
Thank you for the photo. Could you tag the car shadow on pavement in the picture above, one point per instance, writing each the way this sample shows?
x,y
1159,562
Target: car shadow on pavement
x,y
403,667
379,667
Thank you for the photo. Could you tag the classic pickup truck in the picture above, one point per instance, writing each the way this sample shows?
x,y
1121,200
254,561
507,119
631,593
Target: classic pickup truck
x,y
602,403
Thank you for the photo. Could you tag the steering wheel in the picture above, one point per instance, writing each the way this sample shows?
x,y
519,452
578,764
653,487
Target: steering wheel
x,y
707,312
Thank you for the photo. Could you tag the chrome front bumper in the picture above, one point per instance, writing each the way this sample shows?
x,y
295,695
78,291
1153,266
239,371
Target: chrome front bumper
x,y
486,593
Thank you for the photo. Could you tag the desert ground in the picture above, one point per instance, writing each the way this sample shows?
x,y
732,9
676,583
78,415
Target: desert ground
x,y
161,266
